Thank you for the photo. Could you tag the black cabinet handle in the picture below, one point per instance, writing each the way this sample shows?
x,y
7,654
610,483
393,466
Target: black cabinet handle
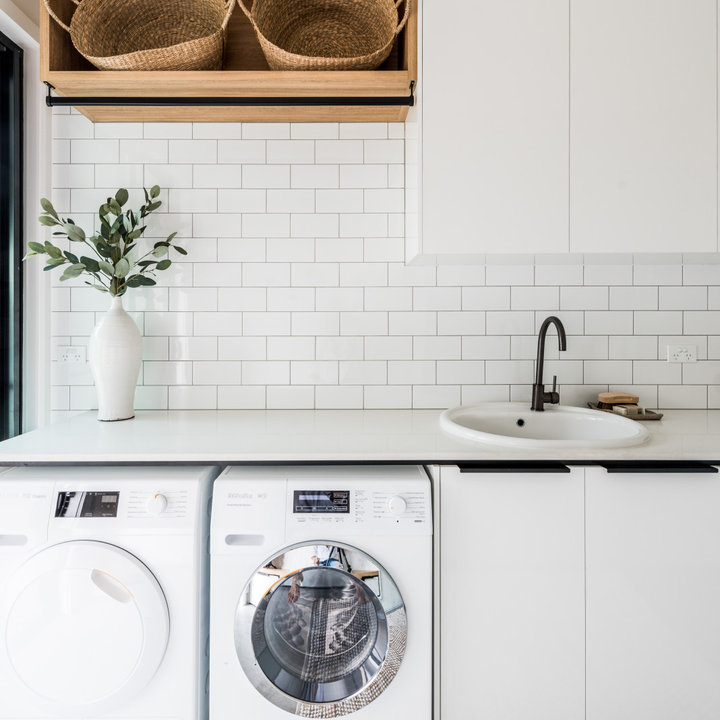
x,y
657,466
513,466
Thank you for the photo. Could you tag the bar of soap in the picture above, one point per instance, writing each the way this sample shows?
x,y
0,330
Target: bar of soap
x,y
629,410
617,398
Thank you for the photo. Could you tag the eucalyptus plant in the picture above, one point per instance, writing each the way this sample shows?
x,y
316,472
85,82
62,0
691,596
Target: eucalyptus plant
x,y
115,267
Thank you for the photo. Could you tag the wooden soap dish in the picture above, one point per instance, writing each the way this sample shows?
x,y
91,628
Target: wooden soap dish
x,y
649,414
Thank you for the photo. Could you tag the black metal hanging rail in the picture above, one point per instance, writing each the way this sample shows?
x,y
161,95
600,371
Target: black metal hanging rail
x,y
61,101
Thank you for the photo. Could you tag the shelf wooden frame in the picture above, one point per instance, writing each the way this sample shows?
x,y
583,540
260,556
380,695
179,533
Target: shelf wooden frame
x,y
246,75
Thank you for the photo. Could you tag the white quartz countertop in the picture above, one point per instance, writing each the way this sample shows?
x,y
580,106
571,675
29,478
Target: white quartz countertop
x,y
246,436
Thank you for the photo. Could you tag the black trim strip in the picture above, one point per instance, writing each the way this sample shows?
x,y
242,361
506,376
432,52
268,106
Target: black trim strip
x,y
514,466
57,100
657,466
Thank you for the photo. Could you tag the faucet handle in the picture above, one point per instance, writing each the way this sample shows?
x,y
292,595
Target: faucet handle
x,y
554,383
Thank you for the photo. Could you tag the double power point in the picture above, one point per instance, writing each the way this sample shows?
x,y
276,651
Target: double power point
x,y
681,353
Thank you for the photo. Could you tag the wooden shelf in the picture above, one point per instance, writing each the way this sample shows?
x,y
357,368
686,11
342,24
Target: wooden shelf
x,y
245,74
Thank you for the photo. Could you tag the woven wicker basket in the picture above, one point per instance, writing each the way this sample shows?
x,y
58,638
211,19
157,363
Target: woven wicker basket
x,y
326,34
148,34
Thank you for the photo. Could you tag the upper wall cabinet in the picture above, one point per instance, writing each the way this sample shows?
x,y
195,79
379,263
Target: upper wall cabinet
x,y
245,77
568,125
494,100
643,126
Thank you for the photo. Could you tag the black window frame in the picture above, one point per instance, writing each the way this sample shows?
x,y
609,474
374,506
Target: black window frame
x,y
11,235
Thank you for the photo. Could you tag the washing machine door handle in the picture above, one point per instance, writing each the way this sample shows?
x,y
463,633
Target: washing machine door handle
x,y
86,626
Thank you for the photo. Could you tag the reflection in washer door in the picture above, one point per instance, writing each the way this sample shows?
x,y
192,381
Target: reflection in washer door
x,y
319,634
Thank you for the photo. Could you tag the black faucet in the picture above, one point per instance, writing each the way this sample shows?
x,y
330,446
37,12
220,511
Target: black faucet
x,y
539,396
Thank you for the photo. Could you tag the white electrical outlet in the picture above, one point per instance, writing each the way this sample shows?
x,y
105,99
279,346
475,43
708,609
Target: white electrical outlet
x,y
681,353
70,354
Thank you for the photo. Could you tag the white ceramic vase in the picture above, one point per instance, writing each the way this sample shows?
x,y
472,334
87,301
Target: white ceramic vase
x,y
115,354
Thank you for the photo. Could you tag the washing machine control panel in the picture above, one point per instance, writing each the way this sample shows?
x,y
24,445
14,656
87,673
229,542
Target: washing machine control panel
x,y
362,509
84,504
321,501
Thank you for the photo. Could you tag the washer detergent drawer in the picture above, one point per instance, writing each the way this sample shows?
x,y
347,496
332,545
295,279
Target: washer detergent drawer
x,y
86,626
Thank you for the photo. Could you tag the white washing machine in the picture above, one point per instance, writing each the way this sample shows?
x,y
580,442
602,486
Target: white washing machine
x,y
321,593
102,578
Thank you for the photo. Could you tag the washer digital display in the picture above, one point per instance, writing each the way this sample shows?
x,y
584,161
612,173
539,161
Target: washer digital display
x,y
87,504
321,501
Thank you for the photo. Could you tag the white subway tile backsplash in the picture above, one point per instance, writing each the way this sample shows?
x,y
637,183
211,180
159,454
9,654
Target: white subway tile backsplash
x,y
485,298
339,348
295,292
314,176
339,201
384,151
290,397
238,397
290,151
328,397
258,372
683,298
142,151
338,151
242,348
387,348
217,373
219,176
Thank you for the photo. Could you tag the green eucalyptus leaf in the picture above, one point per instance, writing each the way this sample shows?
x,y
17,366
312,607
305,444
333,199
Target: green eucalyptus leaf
x,y
161,243
182,251
104,249
122,268
73,271
52,251
47,221
171,236
160,251
107,268
164,264
90,263
47,206
114,206
72,258
145,263
74,233
97,287
29,255
36,247
121,196
154,206
54,262
146,281
154,191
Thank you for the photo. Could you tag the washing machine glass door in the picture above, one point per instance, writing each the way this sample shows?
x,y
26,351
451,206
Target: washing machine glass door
x,y
87,625
320,624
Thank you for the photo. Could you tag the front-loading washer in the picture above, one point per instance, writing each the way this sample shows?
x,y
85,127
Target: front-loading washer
x,y
321,593
102,579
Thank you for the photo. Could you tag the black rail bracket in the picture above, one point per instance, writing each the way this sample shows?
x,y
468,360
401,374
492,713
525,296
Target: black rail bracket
x,y
52,100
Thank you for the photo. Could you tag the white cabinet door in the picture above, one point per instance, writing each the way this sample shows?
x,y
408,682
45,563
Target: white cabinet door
x,y
494,101
511,595
653,596
643,128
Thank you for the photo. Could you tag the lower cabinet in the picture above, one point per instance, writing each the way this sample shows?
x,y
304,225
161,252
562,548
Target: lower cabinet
x,y
512,606
586,594
653,595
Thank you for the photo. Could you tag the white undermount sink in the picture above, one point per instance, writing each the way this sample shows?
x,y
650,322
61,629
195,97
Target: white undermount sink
x,y
514,425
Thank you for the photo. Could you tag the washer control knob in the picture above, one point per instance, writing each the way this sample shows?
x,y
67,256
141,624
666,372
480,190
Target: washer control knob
x,y
156,504
397,505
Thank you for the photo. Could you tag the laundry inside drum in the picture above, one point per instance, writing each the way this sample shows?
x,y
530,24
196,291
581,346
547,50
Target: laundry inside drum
x,y
321,624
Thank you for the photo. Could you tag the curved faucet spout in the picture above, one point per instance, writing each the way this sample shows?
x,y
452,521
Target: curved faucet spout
x,y
539,396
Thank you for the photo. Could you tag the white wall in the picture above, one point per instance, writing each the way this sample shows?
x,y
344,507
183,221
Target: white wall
x,y
38,151
295,292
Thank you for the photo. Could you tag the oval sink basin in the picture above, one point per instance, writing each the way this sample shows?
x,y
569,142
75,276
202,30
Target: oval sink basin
x,y
558,426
